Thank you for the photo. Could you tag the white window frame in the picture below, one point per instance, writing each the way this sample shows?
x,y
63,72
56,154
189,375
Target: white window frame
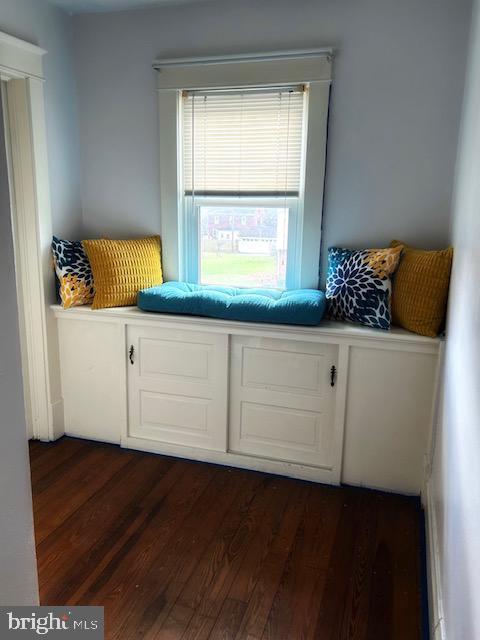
x,y
312,68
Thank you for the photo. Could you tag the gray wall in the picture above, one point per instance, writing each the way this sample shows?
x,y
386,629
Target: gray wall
x,y
51,28
456,470
394,121
18,577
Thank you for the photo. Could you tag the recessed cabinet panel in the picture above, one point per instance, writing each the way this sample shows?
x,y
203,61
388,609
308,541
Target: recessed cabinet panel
x,y
286,427
172,358
283,370
177,387
174,412
281,400
284,433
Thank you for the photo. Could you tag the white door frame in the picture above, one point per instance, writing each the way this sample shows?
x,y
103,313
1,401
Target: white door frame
x,y
21,73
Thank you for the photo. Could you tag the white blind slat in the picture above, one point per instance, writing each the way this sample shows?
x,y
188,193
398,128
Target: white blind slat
x,y
246,142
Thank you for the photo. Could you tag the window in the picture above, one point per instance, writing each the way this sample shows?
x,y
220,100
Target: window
x,y
242,161
243,203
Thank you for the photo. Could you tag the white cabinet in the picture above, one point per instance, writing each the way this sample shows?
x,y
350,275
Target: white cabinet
x,y
251,395
177,386
92,370
388,414
281,399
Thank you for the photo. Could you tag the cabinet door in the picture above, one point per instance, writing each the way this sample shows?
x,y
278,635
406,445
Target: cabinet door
x,y
282,401
93,379
388,418
177,386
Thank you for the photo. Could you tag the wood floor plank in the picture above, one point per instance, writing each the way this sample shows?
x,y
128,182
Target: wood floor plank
x,y
380,614
175,623
311,555
47,474
163,583
270,575
330,619
46,457
403,537
161,512
303,569
228,620
199,628
249,569
214,557
78,483
70,554
209,568
208,588
179,550
355,615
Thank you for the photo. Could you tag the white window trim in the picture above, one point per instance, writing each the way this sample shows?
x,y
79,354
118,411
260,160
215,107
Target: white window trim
x,y
311,67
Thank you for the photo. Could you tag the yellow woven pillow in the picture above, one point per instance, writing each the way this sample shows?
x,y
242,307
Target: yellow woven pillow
x,y
420,289
121,268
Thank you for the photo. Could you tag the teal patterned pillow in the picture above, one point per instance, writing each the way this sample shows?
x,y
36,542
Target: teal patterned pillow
x,y
359,285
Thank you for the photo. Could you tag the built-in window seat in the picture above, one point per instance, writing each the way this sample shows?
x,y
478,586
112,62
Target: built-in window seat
x,y
333,403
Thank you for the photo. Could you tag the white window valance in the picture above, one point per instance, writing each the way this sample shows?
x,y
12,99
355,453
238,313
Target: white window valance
x,y
278,68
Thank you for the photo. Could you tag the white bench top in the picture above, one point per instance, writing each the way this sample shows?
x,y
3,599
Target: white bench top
x,y
327,330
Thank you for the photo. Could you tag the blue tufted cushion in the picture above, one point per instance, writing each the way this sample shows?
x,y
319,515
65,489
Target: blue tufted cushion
x,y
300,306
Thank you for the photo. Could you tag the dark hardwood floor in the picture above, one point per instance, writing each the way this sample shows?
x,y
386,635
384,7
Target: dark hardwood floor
x,y
178,549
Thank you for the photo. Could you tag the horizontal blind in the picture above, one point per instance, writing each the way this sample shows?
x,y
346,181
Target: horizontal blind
x,y
243,142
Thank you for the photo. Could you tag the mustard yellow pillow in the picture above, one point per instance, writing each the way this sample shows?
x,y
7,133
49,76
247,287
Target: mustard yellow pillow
x,y
420,289
121,268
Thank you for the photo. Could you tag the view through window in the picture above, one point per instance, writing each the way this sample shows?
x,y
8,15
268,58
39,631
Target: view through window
x,y
243,246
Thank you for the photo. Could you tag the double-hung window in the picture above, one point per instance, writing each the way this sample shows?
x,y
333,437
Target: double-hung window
x,y
242,167
242,155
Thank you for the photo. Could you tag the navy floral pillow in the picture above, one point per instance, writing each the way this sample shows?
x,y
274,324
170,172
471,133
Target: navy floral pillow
x,y
359,285
75,279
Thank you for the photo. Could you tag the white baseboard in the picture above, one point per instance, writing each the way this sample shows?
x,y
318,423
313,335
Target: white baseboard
x,y
435,594
58,421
